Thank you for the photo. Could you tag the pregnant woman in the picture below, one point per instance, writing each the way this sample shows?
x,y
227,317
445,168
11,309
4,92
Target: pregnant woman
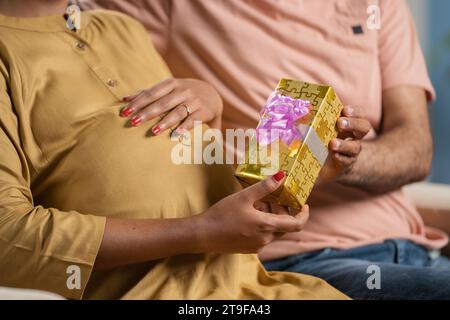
x,y
91,205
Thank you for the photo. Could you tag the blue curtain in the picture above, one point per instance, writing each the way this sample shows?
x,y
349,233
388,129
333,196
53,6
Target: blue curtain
x,y
438,58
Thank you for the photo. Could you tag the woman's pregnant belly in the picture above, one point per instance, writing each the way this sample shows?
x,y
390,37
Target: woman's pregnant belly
x,y
111,169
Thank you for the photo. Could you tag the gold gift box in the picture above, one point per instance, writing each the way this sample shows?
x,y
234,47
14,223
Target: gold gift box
x,y
302,160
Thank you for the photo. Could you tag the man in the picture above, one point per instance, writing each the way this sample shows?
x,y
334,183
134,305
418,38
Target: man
x,y
363,237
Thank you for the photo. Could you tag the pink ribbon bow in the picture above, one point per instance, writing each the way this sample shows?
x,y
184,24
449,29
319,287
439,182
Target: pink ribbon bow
x,y
279,117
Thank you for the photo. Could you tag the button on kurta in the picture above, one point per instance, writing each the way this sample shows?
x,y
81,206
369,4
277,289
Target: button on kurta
x,y
81,46
112,83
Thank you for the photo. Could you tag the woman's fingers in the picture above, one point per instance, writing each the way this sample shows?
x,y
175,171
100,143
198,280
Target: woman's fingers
x,y
146,97
172,119
349,148
303,215
132,97
158,108
129,110
175,101
262,206
277,209
189,122
284,223
261,189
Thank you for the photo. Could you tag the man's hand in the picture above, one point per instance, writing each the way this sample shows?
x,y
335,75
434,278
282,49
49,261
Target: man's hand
x,y
344,150
402,152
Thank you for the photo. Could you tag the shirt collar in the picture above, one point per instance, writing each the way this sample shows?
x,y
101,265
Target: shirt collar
x,y
53,23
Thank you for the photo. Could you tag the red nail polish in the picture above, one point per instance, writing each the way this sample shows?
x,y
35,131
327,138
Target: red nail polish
x,y
279,176
126,112
136,121
156,130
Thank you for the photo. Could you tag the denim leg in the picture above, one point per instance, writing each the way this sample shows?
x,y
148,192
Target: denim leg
x,y
405,271
440,262
411,254
396,281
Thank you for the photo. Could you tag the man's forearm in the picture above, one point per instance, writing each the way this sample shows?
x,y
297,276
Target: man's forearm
x,y
394,159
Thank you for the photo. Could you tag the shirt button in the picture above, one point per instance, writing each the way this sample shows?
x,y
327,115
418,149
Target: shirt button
x,y
81,46
112,83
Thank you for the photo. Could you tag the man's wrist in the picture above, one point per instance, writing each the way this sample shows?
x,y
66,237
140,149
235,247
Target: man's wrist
x,y
353,176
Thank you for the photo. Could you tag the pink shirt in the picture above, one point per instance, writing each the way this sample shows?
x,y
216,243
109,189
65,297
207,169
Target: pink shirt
x,y
244,46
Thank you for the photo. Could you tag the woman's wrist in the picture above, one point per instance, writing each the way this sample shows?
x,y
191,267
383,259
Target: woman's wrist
x,y
130,241
216,103
195,228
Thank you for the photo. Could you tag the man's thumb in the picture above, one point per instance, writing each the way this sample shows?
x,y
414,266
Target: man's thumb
x,y
266,187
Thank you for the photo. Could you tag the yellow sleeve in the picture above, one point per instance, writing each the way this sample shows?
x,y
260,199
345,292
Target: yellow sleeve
x,y
40,248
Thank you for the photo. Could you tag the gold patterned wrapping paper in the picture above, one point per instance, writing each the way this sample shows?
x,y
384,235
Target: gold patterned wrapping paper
x,y
302,160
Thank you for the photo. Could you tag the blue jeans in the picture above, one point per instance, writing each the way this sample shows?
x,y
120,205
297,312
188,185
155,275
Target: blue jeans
x,y
395,269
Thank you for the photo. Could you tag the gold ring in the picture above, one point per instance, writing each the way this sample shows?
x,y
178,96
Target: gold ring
x,y
187,109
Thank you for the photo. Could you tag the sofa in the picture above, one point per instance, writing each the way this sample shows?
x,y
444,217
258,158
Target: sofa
x,y
433,203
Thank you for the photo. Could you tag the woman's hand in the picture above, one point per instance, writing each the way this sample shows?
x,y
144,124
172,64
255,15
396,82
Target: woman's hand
x,y
344,150
234,225
179,102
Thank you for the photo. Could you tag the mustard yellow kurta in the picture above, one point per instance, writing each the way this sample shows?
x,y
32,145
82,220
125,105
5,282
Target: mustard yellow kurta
x,y
67,161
